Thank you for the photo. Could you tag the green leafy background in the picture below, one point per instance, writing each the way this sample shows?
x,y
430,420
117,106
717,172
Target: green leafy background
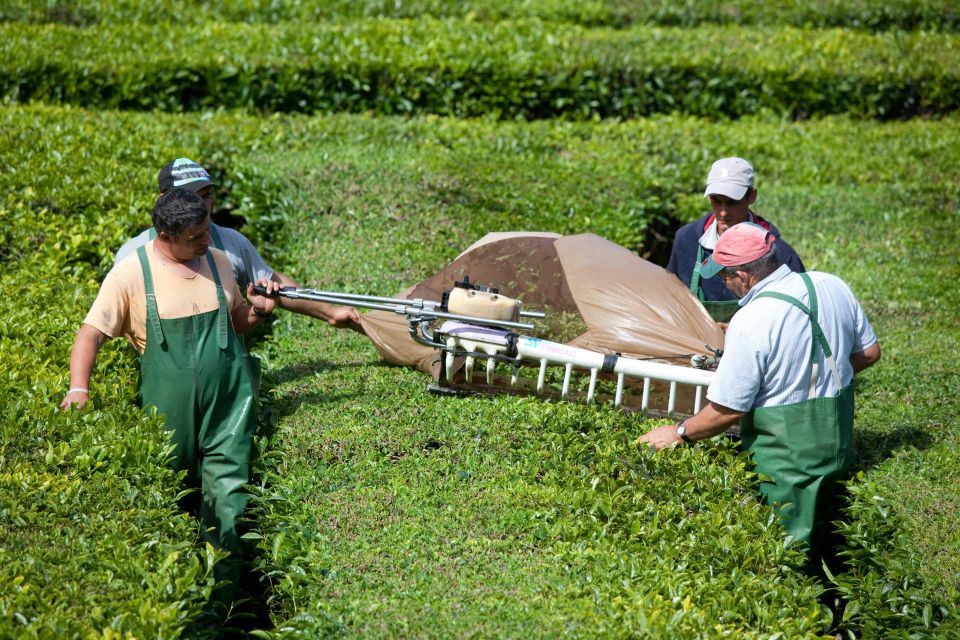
x,y
381,510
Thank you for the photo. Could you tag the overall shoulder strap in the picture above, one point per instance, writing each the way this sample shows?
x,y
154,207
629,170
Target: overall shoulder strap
x,y
817,338
695,276
153,316
222,319
818,330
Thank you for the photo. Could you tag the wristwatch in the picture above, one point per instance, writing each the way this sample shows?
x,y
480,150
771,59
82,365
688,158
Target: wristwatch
x,y
682,432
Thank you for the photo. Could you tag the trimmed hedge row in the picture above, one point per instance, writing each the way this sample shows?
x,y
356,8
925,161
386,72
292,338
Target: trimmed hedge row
x,y
381,505
935,15
356,477
884,596
525,69
92,540
510,518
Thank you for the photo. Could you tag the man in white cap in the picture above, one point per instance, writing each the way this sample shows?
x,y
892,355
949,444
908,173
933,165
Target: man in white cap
x,y
248,266
786,375
730,188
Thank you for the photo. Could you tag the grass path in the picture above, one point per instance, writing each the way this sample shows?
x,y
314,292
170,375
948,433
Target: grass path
x,y
413,515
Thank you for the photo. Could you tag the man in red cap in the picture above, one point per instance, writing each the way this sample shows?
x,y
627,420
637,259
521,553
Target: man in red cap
x,y
786,376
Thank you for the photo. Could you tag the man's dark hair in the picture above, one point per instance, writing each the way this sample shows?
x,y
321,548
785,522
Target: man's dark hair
x,y
176,210
759,268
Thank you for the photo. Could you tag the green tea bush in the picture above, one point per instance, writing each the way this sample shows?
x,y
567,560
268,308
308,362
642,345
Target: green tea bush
x,y
384,511
884,593
518,69
92,540
687,525
552,496
934,15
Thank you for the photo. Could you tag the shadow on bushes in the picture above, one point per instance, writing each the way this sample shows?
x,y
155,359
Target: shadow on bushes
x,y
872,448
300,370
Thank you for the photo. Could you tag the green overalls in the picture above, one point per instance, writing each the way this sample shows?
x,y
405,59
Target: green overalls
x,y
196,371
719,310
805,448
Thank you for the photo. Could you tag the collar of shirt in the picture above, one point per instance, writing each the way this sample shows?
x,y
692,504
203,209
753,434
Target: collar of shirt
x,y
709,238
782,272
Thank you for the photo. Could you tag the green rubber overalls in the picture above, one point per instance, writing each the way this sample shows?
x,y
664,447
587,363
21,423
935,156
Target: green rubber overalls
x,y
804,448
196,372
254,360
719,310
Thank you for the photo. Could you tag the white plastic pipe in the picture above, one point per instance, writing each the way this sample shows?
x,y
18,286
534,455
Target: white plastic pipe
x,y
593,386
557,353
546,352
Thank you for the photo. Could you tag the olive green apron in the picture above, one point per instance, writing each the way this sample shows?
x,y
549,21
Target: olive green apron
x,y
196,372
805,448
255,365
719,310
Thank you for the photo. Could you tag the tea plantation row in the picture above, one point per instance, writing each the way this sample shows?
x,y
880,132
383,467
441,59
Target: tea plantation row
x,y
384,511
935,15
512,69
403,514
91,536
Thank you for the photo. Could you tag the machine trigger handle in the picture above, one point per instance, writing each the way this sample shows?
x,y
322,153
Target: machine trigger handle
x,y
262,291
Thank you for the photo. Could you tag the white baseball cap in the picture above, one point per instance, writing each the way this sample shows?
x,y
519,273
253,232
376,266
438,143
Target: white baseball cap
x,y
730,177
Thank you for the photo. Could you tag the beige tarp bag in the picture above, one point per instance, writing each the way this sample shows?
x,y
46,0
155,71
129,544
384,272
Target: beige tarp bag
x,y
597,295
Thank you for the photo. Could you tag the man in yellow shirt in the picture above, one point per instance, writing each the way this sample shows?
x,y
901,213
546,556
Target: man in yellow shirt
x,y
177,301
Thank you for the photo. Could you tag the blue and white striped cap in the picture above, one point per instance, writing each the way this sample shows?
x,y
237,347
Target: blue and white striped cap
x,y
184,173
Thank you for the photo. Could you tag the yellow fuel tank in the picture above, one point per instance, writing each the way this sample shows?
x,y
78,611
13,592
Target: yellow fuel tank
x,y
482,304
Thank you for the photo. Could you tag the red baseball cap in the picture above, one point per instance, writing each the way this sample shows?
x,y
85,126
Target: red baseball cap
x,y
740,244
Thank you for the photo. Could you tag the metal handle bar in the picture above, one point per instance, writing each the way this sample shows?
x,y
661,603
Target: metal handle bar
x,y
293,292
416,308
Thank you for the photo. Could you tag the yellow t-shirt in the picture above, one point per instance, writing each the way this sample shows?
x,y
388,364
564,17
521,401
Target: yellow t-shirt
x,y
121,305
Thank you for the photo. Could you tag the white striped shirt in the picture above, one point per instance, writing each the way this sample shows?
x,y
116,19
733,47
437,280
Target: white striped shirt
x,y
766,358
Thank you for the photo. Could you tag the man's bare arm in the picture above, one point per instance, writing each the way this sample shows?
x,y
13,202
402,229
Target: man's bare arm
x,y
83,356
866,358
340,317
713,419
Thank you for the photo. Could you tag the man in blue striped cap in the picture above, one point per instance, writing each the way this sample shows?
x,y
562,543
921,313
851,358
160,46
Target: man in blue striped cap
x,y
248,266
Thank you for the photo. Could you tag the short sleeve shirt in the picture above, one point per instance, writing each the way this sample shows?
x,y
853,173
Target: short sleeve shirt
x,y
247,264
766,359
120,308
